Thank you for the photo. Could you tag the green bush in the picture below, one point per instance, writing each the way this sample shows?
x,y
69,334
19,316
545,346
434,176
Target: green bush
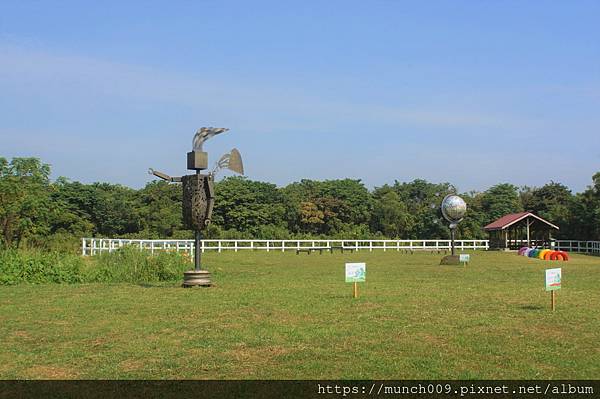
x,y
126,265
39,267
130,265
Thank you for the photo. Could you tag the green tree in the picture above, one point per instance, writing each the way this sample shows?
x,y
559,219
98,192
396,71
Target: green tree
x,y
161,209
116,210
390,215
247,206
500,200
585,212
553,202
24,200
423,201
327,207
472,225
71,205
311,217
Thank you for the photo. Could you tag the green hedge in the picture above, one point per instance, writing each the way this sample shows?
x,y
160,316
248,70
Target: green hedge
x,y
130,265
126,265
39,267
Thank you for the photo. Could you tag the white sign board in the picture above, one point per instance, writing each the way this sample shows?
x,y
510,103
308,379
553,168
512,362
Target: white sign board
x,y
356,272
464,258
553,279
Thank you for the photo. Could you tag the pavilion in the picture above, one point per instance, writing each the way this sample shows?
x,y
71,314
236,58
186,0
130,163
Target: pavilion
x,y
523,229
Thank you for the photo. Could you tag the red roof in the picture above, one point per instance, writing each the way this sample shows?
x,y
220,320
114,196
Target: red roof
x,y
508,220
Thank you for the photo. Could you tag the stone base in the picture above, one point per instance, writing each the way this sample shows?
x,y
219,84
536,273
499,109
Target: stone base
x,y
450,260
193,278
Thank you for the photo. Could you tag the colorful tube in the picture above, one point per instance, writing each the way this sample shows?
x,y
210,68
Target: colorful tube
x,y
543,253
522,250
533,253
565,256
548,255
527,251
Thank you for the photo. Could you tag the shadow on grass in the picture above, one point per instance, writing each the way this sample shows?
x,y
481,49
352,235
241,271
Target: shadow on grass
x,y
159,285
173,285
531,307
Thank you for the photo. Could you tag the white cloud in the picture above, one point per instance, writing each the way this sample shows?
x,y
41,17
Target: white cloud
x,y
262,109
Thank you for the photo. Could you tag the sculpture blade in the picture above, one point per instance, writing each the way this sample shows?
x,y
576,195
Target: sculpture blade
x,y
204,134
235,162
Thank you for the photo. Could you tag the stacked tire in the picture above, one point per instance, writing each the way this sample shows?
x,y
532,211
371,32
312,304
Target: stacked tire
x,y
543,254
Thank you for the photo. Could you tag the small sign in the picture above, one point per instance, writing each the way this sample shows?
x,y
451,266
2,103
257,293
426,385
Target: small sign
x,y
356,272
464,258
553,277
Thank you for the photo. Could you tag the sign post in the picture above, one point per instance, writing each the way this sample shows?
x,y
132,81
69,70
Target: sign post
x,y
553,281
356,273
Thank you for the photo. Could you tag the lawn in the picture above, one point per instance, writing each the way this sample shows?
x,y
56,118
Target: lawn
x,y
287,316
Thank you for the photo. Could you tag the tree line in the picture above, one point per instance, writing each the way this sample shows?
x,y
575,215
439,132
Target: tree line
x,y
38,212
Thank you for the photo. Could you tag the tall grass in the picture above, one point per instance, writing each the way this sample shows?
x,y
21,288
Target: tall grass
x,y
126,265
39,267
130,265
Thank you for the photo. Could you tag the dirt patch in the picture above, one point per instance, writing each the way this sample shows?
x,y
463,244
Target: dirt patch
x,y
131,365
21,334
43,372
246,355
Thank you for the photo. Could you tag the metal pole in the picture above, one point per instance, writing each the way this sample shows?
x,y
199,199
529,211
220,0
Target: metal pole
x,y
198,250
452,238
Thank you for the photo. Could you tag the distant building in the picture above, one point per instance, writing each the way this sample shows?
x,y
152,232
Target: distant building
x,y
523,229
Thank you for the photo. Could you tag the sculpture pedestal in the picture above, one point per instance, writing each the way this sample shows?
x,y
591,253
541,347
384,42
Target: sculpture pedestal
x,y
193,278
450,260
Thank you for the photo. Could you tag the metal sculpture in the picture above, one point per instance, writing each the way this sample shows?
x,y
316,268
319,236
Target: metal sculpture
x,y
453,209
199,197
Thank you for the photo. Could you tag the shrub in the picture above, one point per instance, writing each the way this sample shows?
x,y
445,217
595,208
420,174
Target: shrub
x,y
39,267
130,265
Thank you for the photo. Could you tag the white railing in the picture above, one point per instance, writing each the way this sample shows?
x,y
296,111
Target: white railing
x,y
588,247
93,246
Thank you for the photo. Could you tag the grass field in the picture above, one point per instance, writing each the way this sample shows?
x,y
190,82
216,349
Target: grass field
x,y
288,316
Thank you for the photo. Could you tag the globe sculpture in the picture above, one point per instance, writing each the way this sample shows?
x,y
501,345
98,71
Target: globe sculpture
x,y
454,209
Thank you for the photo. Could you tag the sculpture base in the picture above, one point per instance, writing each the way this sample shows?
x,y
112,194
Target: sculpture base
x,y
450,260
193,278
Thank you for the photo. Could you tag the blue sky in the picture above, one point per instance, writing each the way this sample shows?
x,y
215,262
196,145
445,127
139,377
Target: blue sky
x,y
474,93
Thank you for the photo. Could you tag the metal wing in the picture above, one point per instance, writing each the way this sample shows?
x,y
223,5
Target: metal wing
x,y
204,134
231,161
235,162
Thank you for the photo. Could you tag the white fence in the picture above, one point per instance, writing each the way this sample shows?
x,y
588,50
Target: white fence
x,y
587,247
93,246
